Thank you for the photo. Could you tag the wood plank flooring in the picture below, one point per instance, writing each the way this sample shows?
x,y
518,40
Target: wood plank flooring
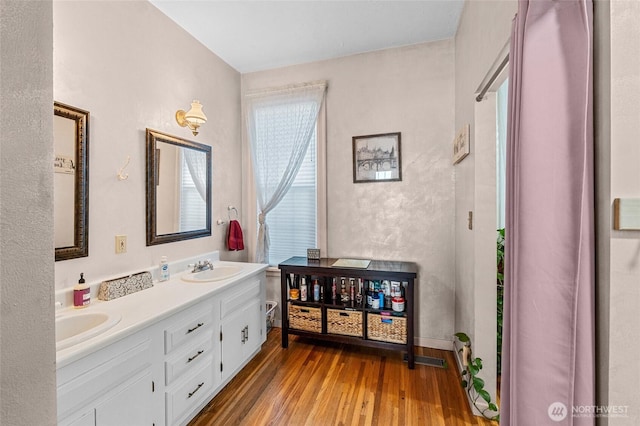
x,y
321,383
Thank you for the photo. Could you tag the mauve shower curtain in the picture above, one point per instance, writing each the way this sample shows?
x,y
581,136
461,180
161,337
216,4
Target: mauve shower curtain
x,y
548,344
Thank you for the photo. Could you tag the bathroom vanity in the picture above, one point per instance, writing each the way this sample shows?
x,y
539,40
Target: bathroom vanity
x,y
176,346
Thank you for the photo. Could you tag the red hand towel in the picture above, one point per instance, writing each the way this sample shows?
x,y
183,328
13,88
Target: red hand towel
x,y
235,240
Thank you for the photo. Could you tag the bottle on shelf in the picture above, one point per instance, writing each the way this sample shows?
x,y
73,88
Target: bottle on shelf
x,y
334,290
344,296
352,289
303,289
316,291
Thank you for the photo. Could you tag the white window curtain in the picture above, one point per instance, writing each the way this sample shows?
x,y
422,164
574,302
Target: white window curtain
x,y
197,165
275,170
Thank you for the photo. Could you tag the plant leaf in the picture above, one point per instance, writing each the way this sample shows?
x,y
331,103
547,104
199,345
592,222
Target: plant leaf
x,y
473,370
485,395
478,383
493,407
464,384
462,337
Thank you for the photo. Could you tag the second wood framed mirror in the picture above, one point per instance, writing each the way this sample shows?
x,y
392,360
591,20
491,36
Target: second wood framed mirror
x,y
178,188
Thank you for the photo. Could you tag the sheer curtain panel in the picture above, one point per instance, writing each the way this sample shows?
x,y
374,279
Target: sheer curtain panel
x,y
274,170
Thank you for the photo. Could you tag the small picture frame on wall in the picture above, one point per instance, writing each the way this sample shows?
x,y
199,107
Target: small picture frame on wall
x,y
376,158
461,144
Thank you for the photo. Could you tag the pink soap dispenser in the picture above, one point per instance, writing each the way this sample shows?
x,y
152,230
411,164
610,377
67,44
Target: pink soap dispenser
x,y
81,294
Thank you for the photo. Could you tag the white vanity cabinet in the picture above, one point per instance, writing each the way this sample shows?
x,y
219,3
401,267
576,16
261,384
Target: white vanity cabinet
x,y
110,386
243,325
167,371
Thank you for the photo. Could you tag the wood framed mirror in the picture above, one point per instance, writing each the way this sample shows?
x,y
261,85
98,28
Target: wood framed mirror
x,y
178,188
71,181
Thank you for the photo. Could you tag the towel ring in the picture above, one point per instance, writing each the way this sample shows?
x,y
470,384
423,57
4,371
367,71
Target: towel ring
x,y
229,212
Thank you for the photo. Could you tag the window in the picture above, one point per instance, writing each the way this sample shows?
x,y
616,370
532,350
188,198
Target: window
x,y
293,223
286,141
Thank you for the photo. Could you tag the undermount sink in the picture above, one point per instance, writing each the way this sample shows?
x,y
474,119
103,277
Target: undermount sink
x,y
218,273
76,327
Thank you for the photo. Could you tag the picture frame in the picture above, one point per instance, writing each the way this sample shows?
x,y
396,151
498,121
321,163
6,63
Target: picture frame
x,y
461,144
377,158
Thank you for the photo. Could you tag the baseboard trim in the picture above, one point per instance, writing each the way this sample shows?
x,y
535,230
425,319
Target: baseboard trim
x,y
426,342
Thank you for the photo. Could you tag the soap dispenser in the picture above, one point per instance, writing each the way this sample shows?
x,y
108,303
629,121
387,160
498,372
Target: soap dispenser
x,y
81,294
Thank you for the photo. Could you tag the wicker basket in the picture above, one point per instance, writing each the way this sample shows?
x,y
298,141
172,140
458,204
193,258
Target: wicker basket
x,y
305,318
348,323
387,328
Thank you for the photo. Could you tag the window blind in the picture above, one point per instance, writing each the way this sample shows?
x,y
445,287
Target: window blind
x,y
293,223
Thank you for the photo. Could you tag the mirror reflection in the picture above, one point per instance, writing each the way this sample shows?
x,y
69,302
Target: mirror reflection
x,y
70,195
178,189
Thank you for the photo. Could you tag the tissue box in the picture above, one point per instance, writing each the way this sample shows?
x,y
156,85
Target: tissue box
x,y
112,289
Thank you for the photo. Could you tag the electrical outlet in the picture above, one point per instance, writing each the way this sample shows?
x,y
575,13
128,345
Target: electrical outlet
x,y
121,244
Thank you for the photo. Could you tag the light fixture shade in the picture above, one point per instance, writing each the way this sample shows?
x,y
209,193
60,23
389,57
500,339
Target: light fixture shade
x,y
195,115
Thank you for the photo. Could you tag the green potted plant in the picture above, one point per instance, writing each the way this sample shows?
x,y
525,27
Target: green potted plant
x,y
473,384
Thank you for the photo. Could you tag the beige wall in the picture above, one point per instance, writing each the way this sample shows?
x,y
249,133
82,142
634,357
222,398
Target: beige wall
x,y
132,68
27,348
483,31
408,90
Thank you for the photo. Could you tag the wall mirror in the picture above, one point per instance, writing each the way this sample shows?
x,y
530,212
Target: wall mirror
x,y
71,181
178,189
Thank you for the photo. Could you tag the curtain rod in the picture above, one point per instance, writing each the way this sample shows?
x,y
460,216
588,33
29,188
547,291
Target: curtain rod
x,y
284,89
492,79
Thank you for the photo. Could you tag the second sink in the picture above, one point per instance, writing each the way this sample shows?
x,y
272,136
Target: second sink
x,y
218,273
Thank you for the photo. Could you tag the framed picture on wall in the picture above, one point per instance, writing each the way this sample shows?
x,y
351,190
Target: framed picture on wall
x,y
461,144
376,158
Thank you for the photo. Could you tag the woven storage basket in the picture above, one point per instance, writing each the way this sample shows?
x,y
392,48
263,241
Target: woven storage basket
x,y
387,328
305,318
348,323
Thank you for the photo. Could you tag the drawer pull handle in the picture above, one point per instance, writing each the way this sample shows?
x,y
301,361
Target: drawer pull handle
x,y
306,311
191,330
195,390
344,314
195,356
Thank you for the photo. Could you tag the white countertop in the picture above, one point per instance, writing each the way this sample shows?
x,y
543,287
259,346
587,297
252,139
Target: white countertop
x,y
146,307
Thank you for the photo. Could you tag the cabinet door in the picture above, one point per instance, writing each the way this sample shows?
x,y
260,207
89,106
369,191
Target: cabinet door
x,y
233,342
254,319
130,404
87,419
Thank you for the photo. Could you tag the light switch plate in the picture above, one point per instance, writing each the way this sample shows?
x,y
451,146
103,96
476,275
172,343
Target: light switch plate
x,y
121,244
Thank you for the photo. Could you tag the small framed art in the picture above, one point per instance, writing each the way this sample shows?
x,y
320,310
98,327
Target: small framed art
x,y
376,158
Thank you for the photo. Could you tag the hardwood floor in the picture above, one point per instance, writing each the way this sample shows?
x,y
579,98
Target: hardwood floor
x,y
321,383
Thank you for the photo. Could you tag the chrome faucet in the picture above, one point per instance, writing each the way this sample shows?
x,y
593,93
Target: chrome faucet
x,y
202,266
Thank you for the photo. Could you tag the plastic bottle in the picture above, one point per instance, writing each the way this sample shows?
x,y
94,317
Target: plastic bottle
x,y
316,291
164,269
81,294
334,290
303,290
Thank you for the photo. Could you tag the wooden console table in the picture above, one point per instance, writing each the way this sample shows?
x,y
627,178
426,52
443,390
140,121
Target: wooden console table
x,y
350,322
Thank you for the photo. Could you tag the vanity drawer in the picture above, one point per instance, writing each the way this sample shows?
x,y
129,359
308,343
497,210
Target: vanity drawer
x,y
188,358
191,326
188,393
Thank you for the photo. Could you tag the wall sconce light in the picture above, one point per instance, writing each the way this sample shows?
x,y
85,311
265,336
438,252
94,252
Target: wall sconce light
x,y
192,119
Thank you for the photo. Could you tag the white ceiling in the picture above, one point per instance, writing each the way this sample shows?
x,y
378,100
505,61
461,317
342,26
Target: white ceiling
x,y
258,35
